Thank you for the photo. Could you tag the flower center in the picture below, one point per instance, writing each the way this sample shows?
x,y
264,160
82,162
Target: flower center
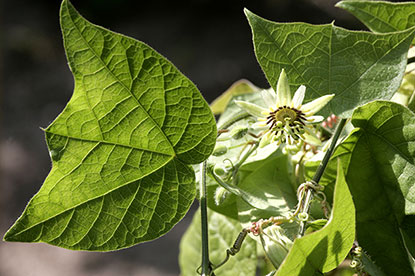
x,y
285,116
287,120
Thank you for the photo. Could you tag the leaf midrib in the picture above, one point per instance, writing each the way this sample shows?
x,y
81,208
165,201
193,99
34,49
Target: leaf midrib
x,y
268,34
112,74
108,143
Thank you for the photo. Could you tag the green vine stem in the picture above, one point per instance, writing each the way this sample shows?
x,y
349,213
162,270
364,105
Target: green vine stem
x,y
206,268
320,171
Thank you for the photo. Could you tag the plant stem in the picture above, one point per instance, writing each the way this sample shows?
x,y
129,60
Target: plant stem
x,y
320,171
204,219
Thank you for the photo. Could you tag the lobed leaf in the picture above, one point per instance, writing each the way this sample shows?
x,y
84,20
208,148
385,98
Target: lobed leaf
x,y
325,249
121,148
358,67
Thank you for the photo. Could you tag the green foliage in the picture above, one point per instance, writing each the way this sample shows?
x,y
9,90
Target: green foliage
x,y
378,159
121,149
325,249
222,234
241,87
269,182
381,16
357,67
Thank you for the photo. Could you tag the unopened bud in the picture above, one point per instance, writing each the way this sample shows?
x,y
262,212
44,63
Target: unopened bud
x,y
238,132
220,150
357,251
219,170
276,245
220,195
408,84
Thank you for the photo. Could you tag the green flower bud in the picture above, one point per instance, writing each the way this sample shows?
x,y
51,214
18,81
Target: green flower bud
x,y
358,252
408,84
220,195
276,245
219,170
220,150
293,149
238,132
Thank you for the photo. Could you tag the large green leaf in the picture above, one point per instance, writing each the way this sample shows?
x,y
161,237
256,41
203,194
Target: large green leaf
x,y
222,233
379,162
380,16
325,249
356,66
121,147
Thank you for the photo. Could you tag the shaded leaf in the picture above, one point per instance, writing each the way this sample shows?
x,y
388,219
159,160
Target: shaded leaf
x,y
379,163
121,147
357,67
222,234
325,249
269,183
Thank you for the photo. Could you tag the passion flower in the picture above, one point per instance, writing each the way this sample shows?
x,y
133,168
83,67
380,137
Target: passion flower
x,y
287,120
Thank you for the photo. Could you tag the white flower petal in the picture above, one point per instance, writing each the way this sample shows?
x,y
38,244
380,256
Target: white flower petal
x,y
298,96
259,125
269,96
314,106
315,119
283,90
251,108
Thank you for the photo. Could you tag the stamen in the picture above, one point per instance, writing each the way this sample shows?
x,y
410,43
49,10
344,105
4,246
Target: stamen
x,y
287,123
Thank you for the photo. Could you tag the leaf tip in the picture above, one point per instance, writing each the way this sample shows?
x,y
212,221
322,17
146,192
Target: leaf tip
x,y
340,5
8,237
247,12
64,3
249,15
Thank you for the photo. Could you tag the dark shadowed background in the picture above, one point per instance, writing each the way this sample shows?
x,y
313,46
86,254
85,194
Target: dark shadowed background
x,y
209,41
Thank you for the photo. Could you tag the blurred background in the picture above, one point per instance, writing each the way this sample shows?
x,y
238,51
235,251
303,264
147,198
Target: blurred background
x,y
208,40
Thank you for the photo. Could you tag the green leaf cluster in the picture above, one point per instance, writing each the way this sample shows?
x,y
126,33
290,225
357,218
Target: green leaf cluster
x,y
378,160
123,148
